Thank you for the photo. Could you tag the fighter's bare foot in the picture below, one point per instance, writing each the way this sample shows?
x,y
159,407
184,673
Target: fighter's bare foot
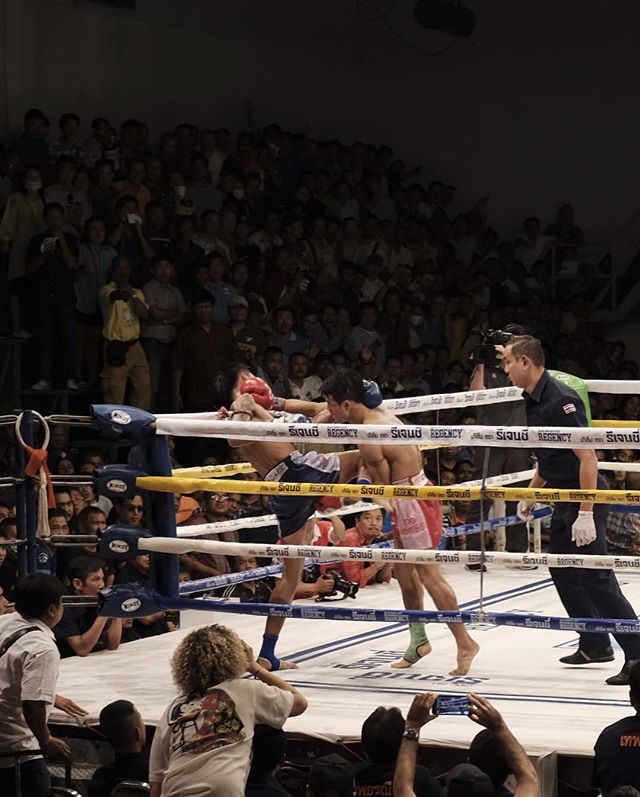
x,y
284,665
465,656
412,656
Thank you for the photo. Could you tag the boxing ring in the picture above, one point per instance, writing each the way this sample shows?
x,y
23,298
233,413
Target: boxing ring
x,y
344,667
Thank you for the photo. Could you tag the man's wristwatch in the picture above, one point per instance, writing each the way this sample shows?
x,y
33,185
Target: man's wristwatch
x,y
413,734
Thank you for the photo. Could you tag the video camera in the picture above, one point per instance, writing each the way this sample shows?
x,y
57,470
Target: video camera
x,y
485,353
347,589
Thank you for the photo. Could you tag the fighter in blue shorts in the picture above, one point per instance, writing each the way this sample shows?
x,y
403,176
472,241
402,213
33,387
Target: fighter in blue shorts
x,y
250,399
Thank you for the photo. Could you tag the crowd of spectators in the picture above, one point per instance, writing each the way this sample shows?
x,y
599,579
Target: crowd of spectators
x,y
222,734
155,264
157,261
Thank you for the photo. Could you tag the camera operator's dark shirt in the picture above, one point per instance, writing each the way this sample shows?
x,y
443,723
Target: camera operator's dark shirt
x,y
506,413
552,403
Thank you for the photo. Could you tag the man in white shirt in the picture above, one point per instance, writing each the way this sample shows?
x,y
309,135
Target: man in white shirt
x,y
303,385
29,662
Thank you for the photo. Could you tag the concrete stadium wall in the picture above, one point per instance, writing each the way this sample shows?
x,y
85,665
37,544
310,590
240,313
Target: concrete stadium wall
x,y
532,129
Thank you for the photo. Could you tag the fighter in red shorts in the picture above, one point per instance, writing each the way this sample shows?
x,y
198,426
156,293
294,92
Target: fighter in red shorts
x,y
418,523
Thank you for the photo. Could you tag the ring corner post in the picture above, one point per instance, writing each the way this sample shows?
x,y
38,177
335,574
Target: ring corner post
x,y
26,504
163,518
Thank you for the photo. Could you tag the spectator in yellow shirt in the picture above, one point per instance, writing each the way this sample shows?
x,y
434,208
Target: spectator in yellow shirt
x,y
122,309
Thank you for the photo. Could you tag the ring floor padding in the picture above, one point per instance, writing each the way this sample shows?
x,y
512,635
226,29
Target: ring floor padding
x,y
344,668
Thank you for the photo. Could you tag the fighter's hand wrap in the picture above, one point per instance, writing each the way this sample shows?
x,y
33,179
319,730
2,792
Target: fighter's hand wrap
x,y
524,510
260,391
583,530
279,404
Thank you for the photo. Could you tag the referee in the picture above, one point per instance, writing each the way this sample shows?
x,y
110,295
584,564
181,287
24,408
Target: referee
x,y
584,593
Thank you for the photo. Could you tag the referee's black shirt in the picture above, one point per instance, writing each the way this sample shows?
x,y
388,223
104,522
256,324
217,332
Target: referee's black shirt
x,y
552,403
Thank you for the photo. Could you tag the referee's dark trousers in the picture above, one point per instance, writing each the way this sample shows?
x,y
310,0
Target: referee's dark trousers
x,y
590,593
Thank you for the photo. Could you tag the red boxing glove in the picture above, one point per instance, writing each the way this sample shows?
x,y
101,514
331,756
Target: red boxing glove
x,y
260,391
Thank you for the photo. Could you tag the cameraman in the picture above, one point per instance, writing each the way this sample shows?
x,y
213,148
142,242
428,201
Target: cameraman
x,y
487,374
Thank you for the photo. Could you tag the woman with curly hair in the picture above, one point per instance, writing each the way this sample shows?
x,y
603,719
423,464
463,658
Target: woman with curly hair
x,y
203,744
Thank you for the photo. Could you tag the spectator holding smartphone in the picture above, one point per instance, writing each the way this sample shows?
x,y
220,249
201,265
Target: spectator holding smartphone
x,y
464,779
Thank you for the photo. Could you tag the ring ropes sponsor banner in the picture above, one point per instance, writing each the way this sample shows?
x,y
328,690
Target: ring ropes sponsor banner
x,y
258,521
170,484
386,555
320,612
502,436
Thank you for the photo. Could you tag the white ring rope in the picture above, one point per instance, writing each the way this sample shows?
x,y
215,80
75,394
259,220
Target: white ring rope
x,y
444,401
385,555
202,529
613,386
471,435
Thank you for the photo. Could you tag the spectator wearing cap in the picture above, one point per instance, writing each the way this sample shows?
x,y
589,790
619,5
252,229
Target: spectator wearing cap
x,y
203,349
617,749
167,310
122,726
250,340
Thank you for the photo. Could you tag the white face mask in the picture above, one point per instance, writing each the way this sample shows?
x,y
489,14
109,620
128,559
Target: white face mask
x,y
33,185
238,193
416,320
180,190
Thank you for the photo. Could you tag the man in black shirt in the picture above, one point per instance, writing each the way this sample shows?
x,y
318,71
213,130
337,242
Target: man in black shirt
x,y
122,726
575,528
617,751
82,630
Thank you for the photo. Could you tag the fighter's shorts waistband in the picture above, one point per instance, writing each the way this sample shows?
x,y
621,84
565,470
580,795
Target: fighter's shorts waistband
x,y
419,479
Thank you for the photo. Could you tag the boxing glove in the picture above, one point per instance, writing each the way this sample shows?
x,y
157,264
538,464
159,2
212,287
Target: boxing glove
x,y
259,390
371,394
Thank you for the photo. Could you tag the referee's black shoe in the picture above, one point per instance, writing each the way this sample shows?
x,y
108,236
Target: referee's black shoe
x,y
622,678
589,657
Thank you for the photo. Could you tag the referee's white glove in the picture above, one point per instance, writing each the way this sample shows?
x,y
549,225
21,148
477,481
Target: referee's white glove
x,y
583,530
524,510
